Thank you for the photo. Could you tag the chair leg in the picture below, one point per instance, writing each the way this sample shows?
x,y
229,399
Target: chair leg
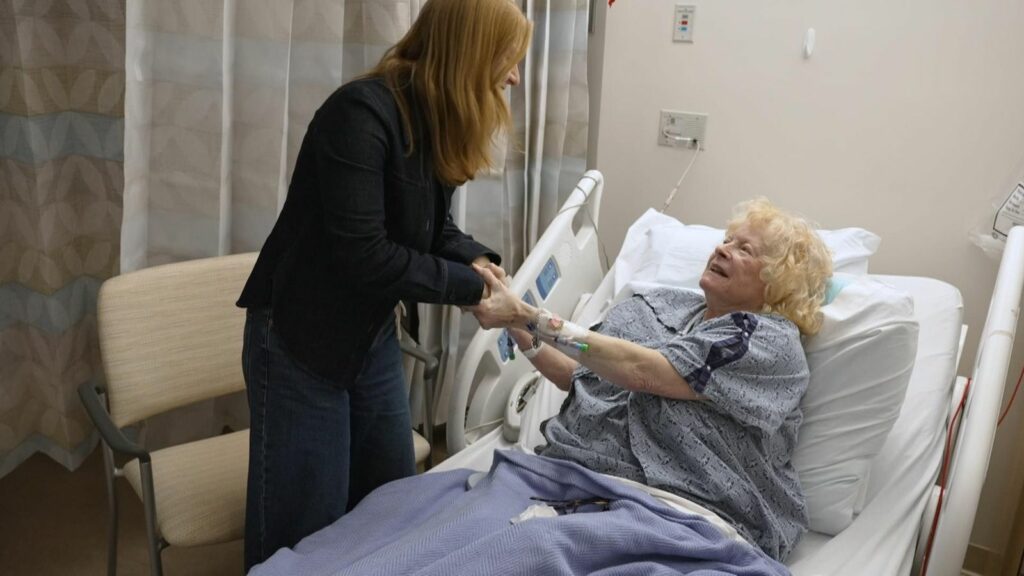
x,y
428,420
108,461
149,501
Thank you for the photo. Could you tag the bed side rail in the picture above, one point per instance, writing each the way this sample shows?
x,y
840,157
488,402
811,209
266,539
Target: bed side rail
x,y
563,265
973,448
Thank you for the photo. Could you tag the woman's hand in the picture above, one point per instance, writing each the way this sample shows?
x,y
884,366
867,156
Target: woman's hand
x,y
484,262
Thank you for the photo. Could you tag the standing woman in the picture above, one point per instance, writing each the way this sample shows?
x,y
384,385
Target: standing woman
x,y
366,224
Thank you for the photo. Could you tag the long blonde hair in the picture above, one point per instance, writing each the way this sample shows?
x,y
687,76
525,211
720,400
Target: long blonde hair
x,y
796,264
456,56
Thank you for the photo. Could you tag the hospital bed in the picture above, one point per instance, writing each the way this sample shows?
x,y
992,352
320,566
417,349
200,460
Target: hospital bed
x,y
932,455
498,401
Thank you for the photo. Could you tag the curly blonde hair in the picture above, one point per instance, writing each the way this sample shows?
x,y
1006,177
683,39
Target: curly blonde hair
x,y
796,264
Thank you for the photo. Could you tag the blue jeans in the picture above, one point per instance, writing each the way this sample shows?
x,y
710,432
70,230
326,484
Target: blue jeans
x,y
315,450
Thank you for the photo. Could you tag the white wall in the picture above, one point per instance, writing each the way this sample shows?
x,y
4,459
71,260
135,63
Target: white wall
x,y
907,120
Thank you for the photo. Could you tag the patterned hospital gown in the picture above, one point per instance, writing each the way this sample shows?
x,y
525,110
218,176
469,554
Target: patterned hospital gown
x,y
731,452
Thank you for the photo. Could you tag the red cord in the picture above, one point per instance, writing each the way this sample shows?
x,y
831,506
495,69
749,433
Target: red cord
x,y
946,453
1012,397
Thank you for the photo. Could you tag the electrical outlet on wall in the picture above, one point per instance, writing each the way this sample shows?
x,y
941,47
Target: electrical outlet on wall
x,y
682,129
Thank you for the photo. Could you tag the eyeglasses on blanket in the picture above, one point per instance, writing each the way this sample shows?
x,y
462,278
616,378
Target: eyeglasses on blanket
x,y
573,506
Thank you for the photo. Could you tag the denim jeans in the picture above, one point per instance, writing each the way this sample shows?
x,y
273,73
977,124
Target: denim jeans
x,y
315,450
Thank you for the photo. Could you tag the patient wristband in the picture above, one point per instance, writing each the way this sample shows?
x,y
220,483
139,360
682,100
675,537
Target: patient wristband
x,y
566,336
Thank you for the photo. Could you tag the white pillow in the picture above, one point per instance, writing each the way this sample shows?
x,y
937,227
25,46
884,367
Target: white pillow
x,y
860,364
661,250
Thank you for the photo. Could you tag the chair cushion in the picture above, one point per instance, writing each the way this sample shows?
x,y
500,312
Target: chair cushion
x,y
199,489
421,447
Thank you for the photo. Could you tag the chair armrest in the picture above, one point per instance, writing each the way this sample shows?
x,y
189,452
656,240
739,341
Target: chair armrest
x,y
430,363
111,434
430,368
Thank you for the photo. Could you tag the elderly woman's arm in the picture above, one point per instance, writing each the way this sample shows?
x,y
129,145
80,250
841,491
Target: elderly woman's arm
x,y
634,367
622,363
554,365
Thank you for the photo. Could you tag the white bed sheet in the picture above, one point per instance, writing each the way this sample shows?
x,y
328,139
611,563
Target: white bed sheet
x,y
882,538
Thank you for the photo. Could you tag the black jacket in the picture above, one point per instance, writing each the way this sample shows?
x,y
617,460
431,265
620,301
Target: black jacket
x,y
364,226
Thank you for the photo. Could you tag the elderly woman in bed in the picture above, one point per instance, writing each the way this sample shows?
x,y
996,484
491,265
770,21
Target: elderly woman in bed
x,y
696,395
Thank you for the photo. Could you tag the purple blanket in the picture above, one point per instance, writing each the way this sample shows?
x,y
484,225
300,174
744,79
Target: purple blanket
x,y
433,524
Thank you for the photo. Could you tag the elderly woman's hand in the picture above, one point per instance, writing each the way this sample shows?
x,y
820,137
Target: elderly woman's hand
x,y
499,273
502,308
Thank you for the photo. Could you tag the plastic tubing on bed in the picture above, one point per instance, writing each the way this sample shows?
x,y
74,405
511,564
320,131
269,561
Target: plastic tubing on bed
x,y
974,444
482,372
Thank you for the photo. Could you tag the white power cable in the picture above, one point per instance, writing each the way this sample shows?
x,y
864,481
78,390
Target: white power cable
x,y
672,194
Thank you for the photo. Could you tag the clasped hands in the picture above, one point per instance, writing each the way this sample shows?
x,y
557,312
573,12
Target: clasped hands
x,y
499,307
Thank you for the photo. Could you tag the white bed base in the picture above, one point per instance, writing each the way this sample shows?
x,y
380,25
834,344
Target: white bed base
x,y
489,386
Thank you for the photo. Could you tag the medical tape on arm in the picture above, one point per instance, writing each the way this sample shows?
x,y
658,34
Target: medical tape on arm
x,y
567,337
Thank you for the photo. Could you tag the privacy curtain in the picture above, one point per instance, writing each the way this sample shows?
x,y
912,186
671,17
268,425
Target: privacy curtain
x,y
61,178
220,93
510,208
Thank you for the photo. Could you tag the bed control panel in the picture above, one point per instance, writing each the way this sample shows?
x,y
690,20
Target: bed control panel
x,y
505,342
529,299
547,278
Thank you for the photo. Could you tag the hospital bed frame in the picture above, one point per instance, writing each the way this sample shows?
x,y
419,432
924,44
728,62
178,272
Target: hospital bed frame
x,y
491,388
